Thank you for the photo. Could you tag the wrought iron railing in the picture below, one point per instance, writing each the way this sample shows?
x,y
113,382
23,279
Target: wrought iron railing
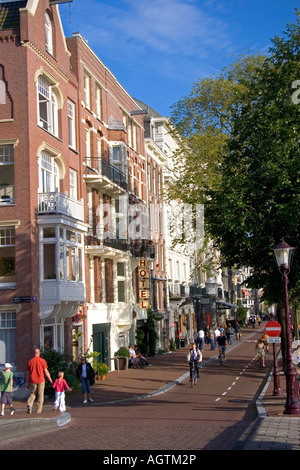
x,y
104,168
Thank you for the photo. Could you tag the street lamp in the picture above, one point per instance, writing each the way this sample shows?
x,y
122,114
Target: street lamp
x,y
283,253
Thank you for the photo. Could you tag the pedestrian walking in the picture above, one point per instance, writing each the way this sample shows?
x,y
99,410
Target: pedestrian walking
x,y
37,369
201,339
212,340
6,385
230,333
217,333
59,386
86,375
237,330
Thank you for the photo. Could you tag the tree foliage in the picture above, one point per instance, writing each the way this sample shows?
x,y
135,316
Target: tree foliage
x,y
242,132
257,204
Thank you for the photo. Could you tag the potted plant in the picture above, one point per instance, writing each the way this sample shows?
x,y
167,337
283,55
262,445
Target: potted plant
x,y
123,359
102,371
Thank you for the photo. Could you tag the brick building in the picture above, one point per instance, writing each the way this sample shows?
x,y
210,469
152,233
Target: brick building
x,y
73,195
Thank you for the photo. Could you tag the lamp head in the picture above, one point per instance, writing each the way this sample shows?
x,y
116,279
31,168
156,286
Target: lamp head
x,y
283,253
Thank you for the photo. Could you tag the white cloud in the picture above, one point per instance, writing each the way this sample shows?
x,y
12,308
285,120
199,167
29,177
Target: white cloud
x,y
173,27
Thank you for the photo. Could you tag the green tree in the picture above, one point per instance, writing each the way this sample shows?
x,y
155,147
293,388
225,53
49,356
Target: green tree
x,y
258,203
203,124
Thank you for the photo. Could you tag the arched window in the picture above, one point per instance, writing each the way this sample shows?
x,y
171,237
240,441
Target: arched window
x,y
48,34
47,106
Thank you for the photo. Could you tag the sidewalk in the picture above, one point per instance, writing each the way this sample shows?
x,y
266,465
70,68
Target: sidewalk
x,y
272,430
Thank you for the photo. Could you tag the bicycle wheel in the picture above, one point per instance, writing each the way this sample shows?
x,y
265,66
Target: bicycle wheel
x,y
221,359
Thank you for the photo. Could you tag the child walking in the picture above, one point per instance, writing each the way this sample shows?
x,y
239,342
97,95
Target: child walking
x,y
59,385
6,386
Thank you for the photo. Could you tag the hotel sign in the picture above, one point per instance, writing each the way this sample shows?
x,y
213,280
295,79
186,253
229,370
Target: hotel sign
x,y
144,284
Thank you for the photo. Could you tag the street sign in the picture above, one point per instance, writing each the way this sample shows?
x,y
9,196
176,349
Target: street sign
x,y
274,339
273,328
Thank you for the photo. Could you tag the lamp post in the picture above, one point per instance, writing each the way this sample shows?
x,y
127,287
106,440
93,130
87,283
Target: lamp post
x,y
283,253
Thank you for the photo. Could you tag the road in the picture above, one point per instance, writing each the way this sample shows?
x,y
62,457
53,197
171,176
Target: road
x,y
213,415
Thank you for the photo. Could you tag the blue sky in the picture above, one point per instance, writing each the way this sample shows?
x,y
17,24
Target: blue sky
x,y
157,49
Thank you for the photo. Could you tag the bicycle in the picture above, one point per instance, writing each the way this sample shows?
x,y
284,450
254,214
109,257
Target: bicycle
x,y
193,374
222,357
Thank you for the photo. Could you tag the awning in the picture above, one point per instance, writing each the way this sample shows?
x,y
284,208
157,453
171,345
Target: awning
x,y
226,304
245,292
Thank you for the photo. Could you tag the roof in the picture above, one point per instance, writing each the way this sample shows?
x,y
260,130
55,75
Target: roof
x,y
9,14
152,111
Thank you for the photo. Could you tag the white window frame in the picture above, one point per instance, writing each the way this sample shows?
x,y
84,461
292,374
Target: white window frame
x,y
48,173
7,191
48,34
121,162
8,327
8,241
86,88
98,102
47,103
73,184
72,124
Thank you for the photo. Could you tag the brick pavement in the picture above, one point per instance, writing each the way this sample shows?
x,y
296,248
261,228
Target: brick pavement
x,y
167,371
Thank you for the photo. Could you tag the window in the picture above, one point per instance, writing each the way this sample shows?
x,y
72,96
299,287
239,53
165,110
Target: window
x,y
49,176
87,143
7,175
70,246
48,31
8,337
131,178
134,136
86,90
121,281
73,184
98,102
139,184
71,124
118,157
47,106
7,257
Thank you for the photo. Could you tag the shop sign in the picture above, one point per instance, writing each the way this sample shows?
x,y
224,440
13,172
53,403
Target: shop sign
x,y
144,285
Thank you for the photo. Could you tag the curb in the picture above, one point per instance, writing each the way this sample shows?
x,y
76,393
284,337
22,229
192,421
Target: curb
x,y
27,427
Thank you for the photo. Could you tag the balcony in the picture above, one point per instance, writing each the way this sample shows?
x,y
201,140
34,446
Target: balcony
x,y
178,291
143,250
106,246
102,173
58,203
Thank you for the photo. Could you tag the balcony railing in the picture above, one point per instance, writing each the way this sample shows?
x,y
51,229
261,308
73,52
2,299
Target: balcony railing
x,y
179,290
58,203
104,168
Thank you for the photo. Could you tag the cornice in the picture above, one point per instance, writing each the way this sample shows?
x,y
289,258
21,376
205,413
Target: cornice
x,y
45,59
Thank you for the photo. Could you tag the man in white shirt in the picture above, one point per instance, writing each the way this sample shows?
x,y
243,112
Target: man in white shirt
x,y
201,339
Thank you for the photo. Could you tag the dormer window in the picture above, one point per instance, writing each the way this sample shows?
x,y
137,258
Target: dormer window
x,y
48,34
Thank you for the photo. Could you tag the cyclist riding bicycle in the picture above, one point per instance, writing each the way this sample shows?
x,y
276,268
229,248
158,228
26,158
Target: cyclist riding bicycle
x,y
221,340
194,357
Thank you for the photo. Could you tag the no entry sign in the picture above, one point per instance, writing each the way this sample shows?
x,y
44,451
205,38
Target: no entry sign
x,y
273,328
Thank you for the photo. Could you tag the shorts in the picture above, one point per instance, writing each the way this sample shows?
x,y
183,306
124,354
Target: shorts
x,y
6,398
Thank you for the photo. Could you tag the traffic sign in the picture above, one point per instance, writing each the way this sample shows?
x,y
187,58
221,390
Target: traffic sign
x,y
274,339
273,328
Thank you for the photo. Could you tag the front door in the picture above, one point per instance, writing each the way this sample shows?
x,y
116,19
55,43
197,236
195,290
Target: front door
x,y
101,344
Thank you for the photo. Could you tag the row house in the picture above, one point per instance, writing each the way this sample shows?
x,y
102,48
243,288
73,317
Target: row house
x,y
173,266
73,193
111,145
42,215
